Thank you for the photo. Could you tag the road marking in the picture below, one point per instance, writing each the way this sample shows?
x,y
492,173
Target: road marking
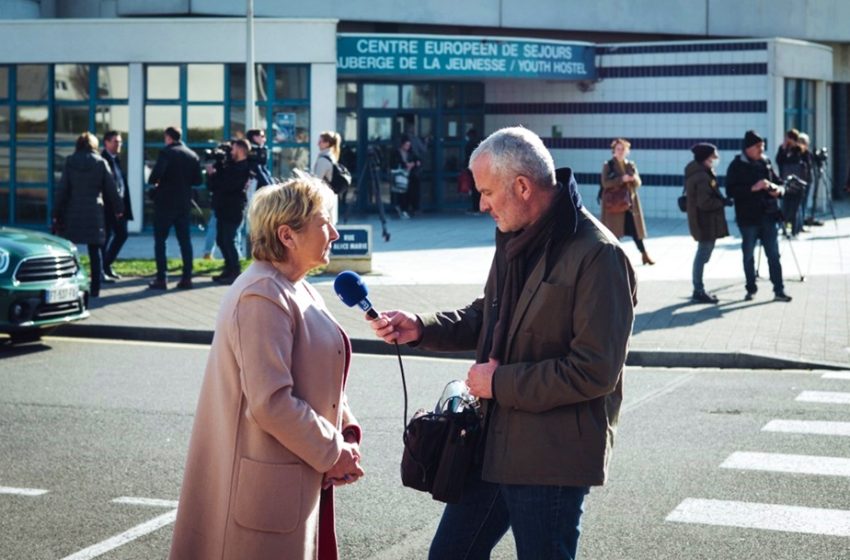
x,y
22,491
836,375
808,427
830,397
127,536
780,462
153,502
182,345
771,517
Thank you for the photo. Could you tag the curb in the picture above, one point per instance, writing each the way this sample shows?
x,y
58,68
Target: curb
x,y
637,358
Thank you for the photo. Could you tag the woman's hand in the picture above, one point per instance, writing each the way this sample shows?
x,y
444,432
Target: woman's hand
x,y
347,468
397,326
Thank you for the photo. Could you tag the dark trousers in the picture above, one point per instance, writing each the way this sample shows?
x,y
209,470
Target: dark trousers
x,y
95,269
766,232
545,521
631,230
116,236
226,241
163,220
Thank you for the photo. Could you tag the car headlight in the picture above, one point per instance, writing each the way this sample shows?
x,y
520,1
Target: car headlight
x,y
4,260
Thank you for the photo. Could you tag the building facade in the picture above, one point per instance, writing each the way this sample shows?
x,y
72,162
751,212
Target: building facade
x,y
663,74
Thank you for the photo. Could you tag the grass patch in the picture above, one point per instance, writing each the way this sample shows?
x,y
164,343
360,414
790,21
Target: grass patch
x,y
147,267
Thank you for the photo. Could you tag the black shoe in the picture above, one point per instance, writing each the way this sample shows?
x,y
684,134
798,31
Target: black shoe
x,y
111,274
749,296
185,284
702,297
106,279
812,222
781,296
157,285
225,280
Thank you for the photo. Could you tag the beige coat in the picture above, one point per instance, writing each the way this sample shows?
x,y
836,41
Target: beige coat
x,y
616,222
268,424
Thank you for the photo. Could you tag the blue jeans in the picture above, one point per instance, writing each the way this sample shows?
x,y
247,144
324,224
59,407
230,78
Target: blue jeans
x,y
766,232
545,521
704,250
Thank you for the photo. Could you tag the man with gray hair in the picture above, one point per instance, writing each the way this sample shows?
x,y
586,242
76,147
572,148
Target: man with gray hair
x,y
551,334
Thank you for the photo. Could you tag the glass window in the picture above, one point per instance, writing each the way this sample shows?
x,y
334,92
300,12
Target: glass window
x,y
4,82
290,82
70,121
32,83
71,82
473,96
346,125
205,82
4,205
417,96
452,159
380,96
285,160
237,81
113,82
32,123
157,119
451,96
237,120
379,128
346,95
31,205
163,82
60,154
291,124
205,124
262,82
4,164
452,126
31,164
112,117
4,123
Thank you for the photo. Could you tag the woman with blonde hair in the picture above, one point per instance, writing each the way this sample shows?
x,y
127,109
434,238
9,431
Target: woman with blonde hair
x,y
273,433
329,146
621,212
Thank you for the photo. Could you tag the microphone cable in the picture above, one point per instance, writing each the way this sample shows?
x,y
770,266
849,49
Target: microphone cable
x,y
403,380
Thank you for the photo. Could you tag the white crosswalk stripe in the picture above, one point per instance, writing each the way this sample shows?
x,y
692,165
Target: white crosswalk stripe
x,y
771,517
815,427
836,375
826,397
780,462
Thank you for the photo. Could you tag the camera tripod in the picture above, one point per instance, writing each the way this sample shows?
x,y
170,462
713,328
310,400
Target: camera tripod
x,y
822,176
372,171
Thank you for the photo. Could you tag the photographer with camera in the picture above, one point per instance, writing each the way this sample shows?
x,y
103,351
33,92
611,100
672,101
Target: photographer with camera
x,y
258,157
227,180
755,187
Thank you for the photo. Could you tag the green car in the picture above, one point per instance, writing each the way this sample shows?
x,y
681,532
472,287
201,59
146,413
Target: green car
x,y
41,283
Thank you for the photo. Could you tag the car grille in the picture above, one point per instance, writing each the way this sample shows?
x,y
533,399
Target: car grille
x,y
41,269
53,310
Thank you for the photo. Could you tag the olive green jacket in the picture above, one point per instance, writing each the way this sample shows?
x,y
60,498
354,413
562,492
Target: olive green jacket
x,y
557,397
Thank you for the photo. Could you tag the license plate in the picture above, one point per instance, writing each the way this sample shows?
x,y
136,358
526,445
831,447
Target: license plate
x,y
61,294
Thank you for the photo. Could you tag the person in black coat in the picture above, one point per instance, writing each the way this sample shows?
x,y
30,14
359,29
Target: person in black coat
x,y
116,228
177,169
228,184
755,187
79,201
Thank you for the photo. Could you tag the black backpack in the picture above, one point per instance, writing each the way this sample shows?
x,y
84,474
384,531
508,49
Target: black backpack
x,y
340,176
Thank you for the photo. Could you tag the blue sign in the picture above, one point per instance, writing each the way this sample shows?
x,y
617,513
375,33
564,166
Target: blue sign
x,y
354,241
463,57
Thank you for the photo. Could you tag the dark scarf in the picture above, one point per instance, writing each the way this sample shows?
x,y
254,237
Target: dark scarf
x,y
523,249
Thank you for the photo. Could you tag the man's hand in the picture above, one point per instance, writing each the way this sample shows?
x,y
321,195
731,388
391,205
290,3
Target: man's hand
x,y
347,468
762,185
397,326
479,379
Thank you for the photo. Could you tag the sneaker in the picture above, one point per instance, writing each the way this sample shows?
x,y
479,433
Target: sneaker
x,y
107,279
405,215
157,285
702,297
111,274
185,284
812,222
782,296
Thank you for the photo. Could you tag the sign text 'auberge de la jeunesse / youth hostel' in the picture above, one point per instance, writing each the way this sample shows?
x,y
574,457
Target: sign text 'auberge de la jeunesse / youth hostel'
x,y
471,57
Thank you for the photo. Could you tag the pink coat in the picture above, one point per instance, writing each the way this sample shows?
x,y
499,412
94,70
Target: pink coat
x,y
269,423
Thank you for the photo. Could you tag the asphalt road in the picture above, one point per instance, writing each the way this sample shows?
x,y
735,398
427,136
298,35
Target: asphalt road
x,y
103,427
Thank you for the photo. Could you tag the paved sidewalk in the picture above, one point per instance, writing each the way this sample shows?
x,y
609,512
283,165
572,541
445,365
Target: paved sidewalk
x,y
440,262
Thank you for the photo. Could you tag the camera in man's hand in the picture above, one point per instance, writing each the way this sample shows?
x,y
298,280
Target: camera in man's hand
x,y
220,156
258,155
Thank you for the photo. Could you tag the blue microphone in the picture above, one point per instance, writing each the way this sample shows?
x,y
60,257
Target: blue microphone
x,y
352,291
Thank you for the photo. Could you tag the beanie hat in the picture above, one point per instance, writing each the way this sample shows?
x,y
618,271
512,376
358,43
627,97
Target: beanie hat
x,y
703,151
751,138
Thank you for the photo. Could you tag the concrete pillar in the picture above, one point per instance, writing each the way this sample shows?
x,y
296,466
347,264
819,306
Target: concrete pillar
x,y
136,141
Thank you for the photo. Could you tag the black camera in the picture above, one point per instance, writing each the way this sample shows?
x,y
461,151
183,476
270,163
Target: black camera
x,y
220,156
258,154
794,186
821,156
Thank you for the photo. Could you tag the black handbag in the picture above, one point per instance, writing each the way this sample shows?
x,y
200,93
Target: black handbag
x,y
440,446
683,201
